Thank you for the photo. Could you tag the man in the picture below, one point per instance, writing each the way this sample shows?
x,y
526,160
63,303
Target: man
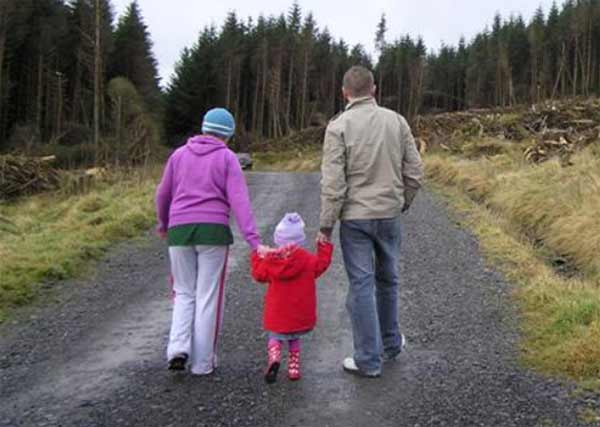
x,y
371,173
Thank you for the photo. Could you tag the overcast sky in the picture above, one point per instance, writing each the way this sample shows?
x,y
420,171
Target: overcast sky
x,y
175,24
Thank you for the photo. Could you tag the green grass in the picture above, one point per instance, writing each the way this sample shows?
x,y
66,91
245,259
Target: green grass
x,y
525,217
52,236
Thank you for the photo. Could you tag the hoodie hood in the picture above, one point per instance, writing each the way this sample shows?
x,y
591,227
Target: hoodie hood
x,y
287,262
202,145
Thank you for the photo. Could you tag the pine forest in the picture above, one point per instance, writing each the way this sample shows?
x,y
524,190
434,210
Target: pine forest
x,y
77,83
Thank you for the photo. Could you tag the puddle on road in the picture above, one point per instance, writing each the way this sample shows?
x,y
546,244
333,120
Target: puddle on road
x,y
134,338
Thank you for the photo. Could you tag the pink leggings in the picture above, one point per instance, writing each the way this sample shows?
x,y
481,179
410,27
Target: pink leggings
x,y
294,345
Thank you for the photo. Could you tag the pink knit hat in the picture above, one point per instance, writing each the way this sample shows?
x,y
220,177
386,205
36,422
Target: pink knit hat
x,y
290,230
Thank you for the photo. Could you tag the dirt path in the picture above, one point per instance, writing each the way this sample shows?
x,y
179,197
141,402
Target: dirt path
x,y
92,354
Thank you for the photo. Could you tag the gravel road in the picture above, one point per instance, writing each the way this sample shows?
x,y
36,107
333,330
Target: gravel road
x,y
92,352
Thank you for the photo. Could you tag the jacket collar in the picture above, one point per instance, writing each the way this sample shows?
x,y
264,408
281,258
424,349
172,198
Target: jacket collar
x,y
365,100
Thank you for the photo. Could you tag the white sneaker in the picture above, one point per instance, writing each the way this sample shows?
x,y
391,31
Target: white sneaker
x,y
387,357
350,367
203,374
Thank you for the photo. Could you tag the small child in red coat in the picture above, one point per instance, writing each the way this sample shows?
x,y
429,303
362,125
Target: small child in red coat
x,y
290,309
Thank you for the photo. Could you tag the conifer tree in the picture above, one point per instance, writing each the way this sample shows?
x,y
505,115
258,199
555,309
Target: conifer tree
x,y
380,46
278,73
133,57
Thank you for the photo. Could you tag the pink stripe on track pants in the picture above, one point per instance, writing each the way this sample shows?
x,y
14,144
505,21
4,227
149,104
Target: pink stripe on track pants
x,y
199,282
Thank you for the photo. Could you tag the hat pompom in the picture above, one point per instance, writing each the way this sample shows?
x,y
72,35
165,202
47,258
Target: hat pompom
x,y
290,230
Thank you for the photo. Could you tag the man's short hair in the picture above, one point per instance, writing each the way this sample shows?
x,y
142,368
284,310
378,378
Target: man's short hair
x,y
359,81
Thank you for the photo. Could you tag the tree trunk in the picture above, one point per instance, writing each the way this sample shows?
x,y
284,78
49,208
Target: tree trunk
x,y
228,99
76,96
419,94
97,72
263,97
39,94
333,89
498,92
288,107
380,88
238,88
400,83
119,135
594,74
559,77
575,66
534,92
588,80
59,107
511,90
304,90
254,125
49,112
274,97
3,28
580,55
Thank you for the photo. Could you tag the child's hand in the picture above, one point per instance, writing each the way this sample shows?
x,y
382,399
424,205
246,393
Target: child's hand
x,y
324,236
263,250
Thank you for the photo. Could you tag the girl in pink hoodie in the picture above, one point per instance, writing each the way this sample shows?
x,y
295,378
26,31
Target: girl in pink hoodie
x,y
202,185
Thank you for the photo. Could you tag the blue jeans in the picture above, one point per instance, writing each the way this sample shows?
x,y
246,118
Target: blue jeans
x,y
371,250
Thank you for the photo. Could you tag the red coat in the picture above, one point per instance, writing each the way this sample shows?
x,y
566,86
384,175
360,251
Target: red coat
x,y
291,298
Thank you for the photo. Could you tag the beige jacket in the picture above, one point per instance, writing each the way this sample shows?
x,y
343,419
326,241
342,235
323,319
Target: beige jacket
x,y
371,167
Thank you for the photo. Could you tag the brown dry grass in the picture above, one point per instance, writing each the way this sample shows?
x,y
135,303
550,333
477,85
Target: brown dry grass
x,y
294,161
526,216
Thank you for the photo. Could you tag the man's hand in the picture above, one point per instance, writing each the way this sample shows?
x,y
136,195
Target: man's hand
x,y
162,235
405,208
324,236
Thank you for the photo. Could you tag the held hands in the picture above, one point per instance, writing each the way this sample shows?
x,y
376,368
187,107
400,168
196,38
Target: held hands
x,y
263,250
162,235
324,236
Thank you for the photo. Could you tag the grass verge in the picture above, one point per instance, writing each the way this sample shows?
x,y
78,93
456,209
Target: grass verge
x,y
50,237
532,221
290,161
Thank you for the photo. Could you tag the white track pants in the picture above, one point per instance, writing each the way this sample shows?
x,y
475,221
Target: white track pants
x,y
199,281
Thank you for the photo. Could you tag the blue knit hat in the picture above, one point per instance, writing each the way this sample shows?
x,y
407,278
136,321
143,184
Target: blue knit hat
x,y
219,121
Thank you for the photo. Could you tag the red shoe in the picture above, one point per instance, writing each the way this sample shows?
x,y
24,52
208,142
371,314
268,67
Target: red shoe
x,y
294,366
274,363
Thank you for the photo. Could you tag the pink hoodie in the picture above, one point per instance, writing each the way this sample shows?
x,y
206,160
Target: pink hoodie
x,y
202,183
